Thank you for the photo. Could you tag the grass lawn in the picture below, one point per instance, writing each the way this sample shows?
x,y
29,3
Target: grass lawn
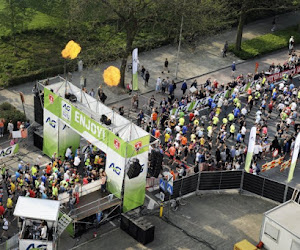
x,y
266,43
39,21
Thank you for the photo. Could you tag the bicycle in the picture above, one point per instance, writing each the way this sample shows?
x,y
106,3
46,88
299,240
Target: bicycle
x,y
174,204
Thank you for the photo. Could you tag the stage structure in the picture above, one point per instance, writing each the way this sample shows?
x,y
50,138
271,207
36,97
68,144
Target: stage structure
x,y
122,141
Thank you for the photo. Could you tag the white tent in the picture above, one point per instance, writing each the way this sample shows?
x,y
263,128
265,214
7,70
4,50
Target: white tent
x,y
39,209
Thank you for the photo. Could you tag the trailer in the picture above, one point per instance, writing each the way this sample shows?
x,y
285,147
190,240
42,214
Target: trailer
x,y
281,227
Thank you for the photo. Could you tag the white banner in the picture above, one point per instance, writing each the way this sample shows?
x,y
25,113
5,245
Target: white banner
x,y
294,158
114,168
35,244
135,61
250,149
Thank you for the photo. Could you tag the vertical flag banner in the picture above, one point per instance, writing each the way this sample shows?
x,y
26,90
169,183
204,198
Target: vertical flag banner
x,y
135,85
294,158
250,149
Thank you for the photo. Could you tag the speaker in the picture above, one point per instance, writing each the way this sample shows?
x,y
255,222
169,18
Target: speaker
x,y
73,98
139,228
38,109
80,229
134,169
103,119
156,160
145,233
38,140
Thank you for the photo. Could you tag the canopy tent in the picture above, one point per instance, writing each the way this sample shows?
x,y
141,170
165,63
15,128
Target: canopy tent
x,y
39,209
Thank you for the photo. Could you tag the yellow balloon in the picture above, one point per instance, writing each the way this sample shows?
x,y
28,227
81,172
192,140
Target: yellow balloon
x,y
112,76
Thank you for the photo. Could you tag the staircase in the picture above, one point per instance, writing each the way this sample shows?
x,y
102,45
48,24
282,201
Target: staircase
x,y
63,223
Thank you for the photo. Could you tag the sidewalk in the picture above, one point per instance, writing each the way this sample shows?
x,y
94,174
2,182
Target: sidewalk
x,y
205,58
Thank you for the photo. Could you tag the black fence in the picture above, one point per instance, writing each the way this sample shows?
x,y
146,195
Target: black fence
x,y
233,180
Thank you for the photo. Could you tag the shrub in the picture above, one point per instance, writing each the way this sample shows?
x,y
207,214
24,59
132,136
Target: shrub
x,y
266,43
9,112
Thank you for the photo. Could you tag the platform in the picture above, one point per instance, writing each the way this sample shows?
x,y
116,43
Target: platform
x,y
93,203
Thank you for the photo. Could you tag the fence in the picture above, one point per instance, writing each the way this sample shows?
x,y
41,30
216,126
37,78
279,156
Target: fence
x,y
240,180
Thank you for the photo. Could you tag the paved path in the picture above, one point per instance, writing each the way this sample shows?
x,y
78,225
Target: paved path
x,y
205,57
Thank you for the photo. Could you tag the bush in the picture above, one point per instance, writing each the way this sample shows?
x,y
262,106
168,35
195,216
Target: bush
x,y
9,112
266,43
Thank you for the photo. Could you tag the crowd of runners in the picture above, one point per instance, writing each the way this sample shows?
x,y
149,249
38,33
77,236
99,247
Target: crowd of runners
x,y
214,137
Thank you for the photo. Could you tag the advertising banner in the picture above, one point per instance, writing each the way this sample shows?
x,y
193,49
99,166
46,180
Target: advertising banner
x,y
35,244
50,142
134,189
294,158
9,151
250,149
82,123
279,76
114,168
135,84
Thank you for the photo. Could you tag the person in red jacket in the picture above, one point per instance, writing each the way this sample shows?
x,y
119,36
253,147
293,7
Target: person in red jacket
x,y
2,210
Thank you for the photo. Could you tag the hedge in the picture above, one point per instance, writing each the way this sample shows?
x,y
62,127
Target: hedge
x,y
9,112
266,43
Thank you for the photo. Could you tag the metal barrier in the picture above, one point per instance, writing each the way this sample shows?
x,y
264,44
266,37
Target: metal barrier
x,y
11,243
238,179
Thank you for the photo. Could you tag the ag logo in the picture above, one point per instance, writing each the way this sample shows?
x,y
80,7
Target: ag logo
x,y
138,145
52,123
116,169
51,99
116,143
41,246
66,110
5,152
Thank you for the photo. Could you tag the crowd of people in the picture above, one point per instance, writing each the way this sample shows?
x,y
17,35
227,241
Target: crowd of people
x,y
214,138
63,174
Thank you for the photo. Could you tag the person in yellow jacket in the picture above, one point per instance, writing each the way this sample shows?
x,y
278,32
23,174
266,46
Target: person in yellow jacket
x,y
231,130
9,205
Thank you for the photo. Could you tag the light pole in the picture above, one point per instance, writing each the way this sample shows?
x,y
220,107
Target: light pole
x,y
179,44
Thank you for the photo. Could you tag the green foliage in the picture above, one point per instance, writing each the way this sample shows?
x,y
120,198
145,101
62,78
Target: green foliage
x,y
266,43
9,112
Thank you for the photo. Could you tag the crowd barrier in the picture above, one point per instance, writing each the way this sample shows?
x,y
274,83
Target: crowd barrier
x,y
278,76
238,179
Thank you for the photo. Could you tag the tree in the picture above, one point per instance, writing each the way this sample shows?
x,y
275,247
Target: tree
x,y
246,7
133,14
14,17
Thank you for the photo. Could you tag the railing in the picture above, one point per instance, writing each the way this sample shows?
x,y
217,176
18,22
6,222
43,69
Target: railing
x,y
237,179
